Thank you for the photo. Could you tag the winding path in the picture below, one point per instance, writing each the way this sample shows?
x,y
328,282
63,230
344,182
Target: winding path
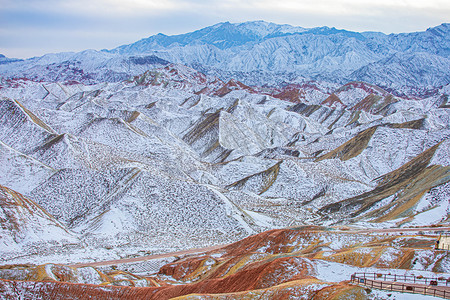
x,y
201,250
147,257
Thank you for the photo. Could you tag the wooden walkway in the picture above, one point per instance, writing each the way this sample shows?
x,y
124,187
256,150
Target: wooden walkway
x,y
438,287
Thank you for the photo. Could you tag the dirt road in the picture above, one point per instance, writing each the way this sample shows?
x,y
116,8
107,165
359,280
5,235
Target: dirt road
x,y
144,258
200,250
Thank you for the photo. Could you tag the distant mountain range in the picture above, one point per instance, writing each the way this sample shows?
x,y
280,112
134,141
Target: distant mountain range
x,y
260,53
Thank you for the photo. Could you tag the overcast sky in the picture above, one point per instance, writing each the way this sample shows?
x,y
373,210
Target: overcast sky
x,y
35,27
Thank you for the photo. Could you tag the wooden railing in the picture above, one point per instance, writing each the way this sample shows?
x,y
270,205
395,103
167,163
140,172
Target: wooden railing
x,y
405,283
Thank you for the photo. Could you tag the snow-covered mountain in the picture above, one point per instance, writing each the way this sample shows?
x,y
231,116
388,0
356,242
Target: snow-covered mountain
x,y
173,158
88,67
320,53
261,53
7,60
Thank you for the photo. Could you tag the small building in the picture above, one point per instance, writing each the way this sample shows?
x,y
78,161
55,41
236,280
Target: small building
x,y
443,242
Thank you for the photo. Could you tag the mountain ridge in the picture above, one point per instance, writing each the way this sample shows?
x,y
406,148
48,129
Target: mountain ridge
x,y
276,30
409,63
